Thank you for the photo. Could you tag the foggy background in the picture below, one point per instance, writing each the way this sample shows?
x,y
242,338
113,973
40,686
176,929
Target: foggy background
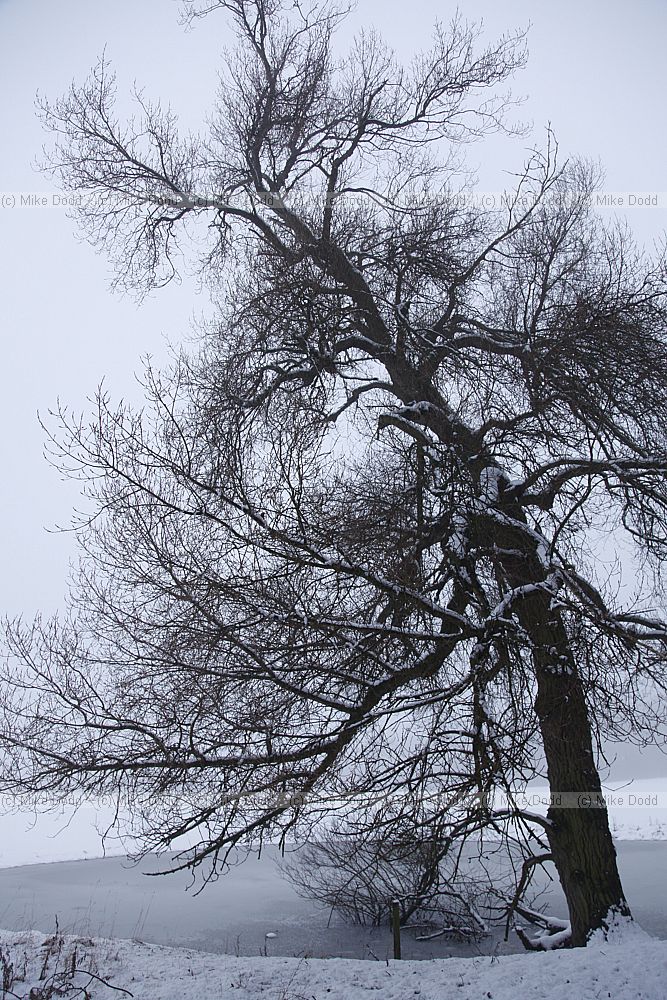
x,y
596,73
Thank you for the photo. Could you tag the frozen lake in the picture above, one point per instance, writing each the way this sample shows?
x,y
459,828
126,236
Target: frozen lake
x,y
111,898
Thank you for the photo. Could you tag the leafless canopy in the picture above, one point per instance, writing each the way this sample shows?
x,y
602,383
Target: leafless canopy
x,y
348,556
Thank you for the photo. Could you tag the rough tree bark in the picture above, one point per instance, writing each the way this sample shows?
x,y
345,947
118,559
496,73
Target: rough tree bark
x,y
578,833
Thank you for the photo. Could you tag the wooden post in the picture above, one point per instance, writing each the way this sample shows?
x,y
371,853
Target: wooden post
x,y
396,926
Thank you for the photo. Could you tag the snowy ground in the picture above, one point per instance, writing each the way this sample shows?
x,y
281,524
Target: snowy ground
x,y
249,936
233,916
637,811
634,968
65,834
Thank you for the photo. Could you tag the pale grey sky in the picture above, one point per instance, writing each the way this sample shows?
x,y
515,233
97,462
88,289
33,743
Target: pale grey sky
x,y
596,72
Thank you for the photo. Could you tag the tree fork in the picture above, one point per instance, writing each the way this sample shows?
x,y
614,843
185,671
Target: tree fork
x,y
579,837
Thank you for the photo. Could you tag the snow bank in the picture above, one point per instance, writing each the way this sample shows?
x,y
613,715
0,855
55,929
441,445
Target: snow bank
x,y
634,970
64,834
637,811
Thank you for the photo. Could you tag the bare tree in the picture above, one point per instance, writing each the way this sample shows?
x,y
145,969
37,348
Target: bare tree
x,y
363,876
349,549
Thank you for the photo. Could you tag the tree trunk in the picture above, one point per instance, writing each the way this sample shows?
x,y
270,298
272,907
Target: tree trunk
x,y
579,838
579,835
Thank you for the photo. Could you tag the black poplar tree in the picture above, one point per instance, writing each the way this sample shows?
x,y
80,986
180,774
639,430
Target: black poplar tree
x,y
345,559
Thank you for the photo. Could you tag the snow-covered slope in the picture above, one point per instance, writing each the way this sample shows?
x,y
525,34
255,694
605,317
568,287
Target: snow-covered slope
x,y
635,968
637,811
65,834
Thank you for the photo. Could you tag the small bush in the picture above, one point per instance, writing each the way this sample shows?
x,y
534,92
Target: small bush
x,y
359,879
